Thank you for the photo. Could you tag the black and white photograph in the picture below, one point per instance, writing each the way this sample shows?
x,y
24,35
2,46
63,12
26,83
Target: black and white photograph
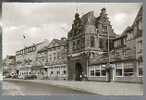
x,y
72,49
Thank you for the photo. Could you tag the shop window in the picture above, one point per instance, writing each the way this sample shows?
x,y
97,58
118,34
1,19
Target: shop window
x,y
97,73
128,72
51,72
64,72
92,72
128,69
103,72
119,70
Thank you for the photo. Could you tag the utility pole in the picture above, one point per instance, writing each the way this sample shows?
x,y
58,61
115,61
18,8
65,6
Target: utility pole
x,y
108,68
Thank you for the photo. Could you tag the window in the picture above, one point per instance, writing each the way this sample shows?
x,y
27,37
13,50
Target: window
x,y
140,71
104,28
74,45
97,73
54,48
64,72
92,72
105,33
128,69
124,53
140,25
100,43
103,71
92,41
78,44
51,72
54,56
140,66
128,72
139,46
124,41
119,70
50,57
58,72
58,55
83,42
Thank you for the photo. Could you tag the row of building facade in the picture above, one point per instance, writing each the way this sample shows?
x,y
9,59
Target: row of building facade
x,y
91,51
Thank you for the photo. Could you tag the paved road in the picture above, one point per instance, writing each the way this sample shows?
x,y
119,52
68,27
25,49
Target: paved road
x,y
29,88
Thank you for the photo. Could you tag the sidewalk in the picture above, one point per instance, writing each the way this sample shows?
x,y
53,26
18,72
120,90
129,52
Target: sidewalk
x,y
102,88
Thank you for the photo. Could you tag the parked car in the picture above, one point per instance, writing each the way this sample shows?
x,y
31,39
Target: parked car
x,y
15,77
8,76
30,77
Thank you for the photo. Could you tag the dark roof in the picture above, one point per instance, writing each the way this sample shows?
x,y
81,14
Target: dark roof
x,y
140,13
43,49
100,59
33,45
11,57
89,15
126,30
59,42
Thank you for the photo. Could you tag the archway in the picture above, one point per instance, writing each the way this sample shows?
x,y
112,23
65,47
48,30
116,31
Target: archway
x,y
78,71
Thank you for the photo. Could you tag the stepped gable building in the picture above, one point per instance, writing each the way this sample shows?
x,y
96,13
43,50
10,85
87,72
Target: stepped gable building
x,y
87,39
57,59
127,54
138,27
123,57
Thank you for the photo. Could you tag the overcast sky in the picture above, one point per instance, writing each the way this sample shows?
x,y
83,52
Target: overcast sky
x,y
40,21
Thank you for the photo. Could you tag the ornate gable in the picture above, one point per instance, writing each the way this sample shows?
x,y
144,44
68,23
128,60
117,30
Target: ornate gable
x,y
54,42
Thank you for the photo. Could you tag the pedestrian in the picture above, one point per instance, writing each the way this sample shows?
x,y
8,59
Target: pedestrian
x,y
81,77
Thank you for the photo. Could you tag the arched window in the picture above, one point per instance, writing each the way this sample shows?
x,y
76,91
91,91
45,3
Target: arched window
x,y
92,40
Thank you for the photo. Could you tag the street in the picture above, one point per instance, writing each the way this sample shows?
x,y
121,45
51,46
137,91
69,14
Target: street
x,y
29,88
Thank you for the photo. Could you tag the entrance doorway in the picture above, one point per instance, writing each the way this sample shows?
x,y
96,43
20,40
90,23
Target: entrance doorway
x,y
78,72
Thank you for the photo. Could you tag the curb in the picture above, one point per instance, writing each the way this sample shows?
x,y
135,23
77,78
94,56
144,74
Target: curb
x,y
57,85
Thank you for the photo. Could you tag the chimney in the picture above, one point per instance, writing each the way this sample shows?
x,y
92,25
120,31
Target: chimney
x,y
63,38
103,11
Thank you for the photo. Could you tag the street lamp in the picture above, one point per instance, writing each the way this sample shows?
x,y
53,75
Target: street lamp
x,y
88,56
108,66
